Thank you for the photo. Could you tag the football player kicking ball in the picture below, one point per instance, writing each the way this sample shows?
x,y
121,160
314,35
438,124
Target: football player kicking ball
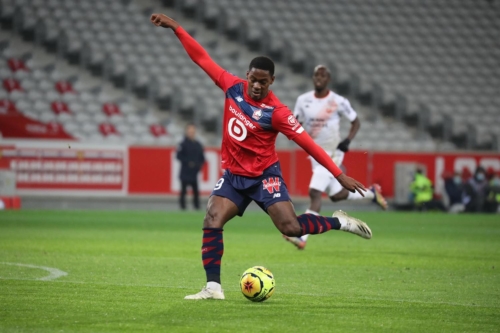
x,y
319,111
253,117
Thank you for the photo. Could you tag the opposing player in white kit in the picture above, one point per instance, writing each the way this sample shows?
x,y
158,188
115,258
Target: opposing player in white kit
x,y
319,112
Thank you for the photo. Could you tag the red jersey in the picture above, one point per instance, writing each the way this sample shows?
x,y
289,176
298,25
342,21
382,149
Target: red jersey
x,y
250,127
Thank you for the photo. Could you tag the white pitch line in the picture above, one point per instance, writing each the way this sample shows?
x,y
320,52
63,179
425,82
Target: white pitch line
x,y
54,272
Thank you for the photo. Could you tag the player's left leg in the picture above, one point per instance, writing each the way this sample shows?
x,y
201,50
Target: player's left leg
x,y
317,186
314,208
288,223
272,196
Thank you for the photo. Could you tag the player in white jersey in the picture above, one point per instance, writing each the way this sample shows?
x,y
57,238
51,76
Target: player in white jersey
x,y
319,112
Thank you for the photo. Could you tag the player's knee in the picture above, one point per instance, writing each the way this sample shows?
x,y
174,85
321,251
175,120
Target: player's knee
x,y
290,228
212,219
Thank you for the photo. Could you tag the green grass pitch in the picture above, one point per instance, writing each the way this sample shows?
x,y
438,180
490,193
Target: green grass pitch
x,y
129,272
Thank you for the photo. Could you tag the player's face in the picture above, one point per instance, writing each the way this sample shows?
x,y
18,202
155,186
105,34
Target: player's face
x,y
321,78
258,83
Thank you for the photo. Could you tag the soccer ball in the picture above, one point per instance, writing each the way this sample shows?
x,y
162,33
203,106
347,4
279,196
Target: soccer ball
x,y
257,284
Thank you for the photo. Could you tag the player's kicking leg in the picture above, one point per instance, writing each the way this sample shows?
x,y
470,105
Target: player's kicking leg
x,y
337,193
314,208
291,225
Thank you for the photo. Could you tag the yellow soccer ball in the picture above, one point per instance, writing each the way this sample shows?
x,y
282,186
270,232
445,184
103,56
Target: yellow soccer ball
x,y
257,284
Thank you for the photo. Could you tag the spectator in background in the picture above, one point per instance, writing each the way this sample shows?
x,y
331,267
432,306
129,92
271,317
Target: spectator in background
x,y
190,154
476,191
493,198
423,193
454,187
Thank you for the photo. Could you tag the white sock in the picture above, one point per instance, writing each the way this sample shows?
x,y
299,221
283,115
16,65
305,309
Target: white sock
x,y
356,196
214,286
308,211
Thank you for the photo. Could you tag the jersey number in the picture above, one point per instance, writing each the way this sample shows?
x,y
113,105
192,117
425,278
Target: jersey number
x,y
219,184
237,129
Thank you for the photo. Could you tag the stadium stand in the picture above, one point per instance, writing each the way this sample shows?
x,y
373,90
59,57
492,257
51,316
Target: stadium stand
x,y
435,64
381,69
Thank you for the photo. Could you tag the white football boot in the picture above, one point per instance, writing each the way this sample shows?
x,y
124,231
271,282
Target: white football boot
x,y
206,293
353,225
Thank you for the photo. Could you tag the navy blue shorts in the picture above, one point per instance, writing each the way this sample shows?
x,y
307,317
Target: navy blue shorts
x,y
265,190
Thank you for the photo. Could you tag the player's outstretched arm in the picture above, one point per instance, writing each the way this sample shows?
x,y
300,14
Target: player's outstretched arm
x,y
195,51
316,152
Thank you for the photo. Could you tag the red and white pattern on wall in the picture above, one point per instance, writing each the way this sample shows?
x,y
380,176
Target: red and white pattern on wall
x,y
66,168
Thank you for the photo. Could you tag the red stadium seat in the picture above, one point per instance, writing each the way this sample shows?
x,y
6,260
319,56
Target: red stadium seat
x,y
108,129
64,87
59,107
111,109
157,130
7,106
11,85
17,65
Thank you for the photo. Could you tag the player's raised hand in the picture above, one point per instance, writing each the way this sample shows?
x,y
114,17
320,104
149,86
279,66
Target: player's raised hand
x,y
351,184
162,20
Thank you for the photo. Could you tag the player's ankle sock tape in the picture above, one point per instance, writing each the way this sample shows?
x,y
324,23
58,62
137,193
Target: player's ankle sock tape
x,y
308,211
212,250
314,224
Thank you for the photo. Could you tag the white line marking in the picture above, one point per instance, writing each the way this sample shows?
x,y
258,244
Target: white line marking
x,y
54,272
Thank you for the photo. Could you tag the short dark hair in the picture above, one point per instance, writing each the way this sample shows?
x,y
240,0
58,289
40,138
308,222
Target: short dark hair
x,y
264,63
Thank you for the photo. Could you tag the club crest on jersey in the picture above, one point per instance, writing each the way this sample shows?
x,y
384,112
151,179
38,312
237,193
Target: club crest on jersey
x,y
257,114
271,185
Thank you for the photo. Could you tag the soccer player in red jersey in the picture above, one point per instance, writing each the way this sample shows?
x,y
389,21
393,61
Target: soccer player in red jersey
x,y
253,117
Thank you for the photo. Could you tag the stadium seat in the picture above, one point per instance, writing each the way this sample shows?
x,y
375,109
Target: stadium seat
x,y
64,87
60,107
11,85
108,129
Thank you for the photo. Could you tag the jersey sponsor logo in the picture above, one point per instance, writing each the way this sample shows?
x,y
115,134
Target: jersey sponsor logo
x,y
257,114
237,129
241,117
272,184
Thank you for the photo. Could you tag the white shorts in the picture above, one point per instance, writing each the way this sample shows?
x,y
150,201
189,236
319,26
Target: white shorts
x,y
322,180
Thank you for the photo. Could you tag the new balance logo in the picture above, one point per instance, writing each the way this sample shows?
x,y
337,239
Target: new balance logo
x,y
239,99
277,195
271,185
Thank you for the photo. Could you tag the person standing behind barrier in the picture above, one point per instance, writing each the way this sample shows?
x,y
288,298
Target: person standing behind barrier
x,y
190,154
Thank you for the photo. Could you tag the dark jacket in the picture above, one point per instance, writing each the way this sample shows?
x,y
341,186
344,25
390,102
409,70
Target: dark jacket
x,y
190,154
455,191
